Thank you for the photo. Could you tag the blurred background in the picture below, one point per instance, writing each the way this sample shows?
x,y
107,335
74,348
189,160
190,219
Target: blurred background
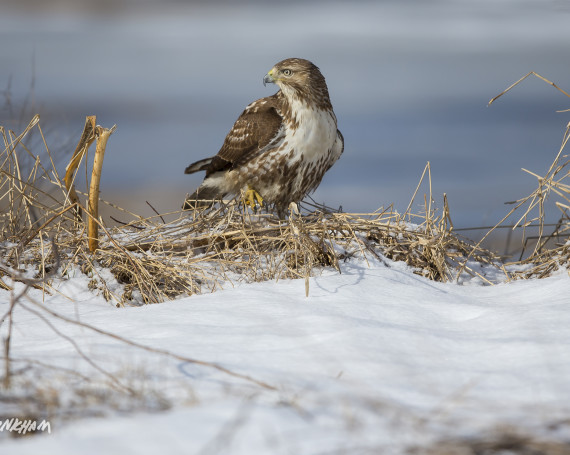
x,y
409,81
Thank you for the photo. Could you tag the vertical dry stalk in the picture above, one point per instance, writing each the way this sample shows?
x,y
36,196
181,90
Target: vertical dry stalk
x,y
426,169
87,138
7,340
93,227
16,186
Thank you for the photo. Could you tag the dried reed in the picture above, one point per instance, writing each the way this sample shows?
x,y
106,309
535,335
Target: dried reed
x,y
545,259
207,248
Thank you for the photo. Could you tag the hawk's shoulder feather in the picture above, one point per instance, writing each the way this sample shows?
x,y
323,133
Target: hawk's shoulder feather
x,y
258,126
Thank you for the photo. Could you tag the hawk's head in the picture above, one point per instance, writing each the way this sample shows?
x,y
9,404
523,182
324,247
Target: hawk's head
x,y
297,76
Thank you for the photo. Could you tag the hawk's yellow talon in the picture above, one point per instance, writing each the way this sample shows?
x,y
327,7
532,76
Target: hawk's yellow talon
x,y
251,197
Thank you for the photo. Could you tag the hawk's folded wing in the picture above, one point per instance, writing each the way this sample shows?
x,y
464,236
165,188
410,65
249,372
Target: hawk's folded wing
x,y
258,126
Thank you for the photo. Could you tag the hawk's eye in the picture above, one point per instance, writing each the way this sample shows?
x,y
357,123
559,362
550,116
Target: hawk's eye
x,y
286,72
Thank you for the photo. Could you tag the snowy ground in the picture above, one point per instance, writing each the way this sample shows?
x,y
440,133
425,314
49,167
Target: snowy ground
x,y
375,360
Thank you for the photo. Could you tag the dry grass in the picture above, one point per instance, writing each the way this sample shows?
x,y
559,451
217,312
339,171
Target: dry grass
x,y
551,251
147,260
83,395
502,442
205,249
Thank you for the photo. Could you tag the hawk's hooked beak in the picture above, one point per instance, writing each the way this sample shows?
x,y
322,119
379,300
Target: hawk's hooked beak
x,y
269,79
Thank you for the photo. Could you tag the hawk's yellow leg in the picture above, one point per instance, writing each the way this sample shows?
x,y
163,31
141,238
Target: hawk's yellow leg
x,y
251,196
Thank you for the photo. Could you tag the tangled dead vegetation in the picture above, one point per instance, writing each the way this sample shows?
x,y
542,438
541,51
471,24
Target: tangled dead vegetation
x,y
46,225
551,251
148,260
502,441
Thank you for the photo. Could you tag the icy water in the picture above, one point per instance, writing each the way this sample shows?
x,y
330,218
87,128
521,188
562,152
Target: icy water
x,y
409,81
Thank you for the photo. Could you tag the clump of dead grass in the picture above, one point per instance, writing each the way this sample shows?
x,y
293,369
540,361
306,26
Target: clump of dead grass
x,y
503,441
148,260
83,396
551,250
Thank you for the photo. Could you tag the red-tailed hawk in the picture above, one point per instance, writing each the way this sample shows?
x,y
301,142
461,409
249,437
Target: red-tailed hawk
x,y
280,146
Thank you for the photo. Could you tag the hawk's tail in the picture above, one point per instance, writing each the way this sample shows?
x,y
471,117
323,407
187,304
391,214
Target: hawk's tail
x,y
202,197
201,165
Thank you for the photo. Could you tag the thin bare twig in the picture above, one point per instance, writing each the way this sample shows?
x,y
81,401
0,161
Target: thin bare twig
x,y
154,350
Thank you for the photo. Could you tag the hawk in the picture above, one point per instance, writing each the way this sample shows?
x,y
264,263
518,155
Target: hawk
x,y
280,146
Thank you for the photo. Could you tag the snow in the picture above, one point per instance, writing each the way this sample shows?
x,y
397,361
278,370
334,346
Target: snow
x,y
375,360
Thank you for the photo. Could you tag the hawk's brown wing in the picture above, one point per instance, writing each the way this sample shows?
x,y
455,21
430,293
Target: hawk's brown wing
x,y
258,126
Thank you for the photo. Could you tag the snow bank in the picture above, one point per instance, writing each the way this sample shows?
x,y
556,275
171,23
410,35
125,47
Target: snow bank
x,y
375,359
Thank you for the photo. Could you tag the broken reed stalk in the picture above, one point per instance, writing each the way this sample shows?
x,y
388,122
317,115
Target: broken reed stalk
x,y
87,138
531,73
426,169
91,133
102,135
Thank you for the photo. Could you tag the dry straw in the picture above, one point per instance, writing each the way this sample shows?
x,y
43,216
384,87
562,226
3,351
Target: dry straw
x,y
205,249
551,251
50,231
